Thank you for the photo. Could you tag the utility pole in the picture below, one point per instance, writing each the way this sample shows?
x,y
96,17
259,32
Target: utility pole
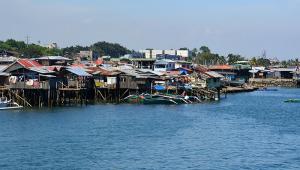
x,y
27,40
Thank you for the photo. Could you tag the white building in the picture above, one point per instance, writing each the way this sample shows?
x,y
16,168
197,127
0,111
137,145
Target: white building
x,y
164,65
183,53
153,53
170,52
89,55
147,53
156,52
183,64
52,46
86,54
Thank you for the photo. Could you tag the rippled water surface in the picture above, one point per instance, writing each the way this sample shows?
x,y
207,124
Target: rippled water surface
x,y
245,131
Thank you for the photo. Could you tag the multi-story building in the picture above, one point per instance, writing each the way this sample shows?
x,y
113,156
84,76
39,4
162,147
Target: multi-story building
x,y
184,54
52,45
89,55
154,53
170,52
147,53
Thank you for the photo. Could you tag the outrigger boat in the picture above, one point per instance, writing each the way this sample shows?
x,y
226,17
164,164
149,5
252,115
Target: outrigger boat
x,y
148,99
160,99
157,99
8,104
292,101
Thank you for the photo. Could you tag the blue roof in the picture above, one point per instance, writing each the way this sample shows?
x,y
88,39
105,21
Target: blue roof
x,y
78,71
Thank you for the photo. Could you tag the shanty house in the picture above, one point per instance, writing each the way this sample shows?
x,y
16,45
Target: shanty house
x,y
53,60
74,77
4,77
28,74
212,79
137,79
104,78
164,65
283,73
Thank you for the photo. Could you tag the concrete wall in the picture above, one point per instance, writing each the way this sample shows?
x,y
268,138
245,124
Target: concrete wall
x,y
273,82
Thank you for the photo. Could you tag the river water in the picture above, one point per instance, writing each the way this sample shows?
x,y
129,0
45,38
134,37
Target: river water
x,y
254,130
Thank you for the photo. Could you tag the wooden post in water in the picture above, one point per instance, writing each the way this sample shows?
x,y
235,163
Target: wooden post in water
x,y
48,97
81,102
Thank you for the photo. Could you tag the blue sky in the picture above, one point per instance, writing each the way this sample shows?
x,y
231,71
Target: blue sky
x,y
232,26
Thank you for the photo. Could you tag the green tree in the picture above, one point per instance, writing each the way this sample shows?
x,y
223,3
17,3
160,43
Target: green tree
x,y
205,57
73,50
253,61
263,62
184,48
233,58
28,51
110,49
204,49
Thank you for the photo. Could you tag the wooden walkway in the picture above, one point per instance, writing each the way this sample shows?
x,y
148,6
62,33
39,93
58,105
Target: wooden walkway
x,y
3,88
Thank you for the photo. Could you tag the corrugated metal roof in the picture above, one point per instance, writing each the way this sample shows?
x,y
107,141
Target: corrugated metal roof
x,y
4,74
139,74
41,70
284,69
54,58
29,63
3,67
221,67
78,71
49,76
214,74
165,61
8,59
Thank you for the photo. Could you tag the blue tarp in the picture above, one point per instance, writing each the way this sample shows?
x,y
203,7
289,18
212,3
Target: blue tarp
x,y
159,87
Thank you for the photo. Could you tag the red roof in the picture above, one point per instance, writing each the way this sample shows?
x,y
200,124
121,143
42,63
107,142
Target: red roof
x,y
201,68
100,71
53,68
28,63
99,62
221,67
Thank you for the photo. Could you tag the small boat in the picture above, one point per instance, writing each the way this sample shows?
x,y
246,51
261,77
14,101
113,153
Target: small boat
x,y
148,99
194,99
8,104
156,99
292,101
178,99
133,99
267,89
234,83
160,99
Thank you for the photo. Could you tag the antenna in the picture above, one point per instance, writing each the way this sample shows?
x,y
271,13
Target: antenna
x,y
27,39
264,54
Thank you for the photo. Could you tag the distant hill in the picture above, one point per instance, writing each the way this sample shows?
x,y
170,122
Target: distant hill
x,y
102,48
21,49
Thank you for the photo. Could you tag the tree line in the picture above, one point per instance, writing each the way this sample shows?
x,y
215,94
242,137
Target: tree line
x,y
204,56
34,50
27,50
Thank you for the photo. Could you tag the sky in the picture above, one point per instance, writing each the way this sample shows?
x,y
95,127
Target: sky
x,y
246,27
